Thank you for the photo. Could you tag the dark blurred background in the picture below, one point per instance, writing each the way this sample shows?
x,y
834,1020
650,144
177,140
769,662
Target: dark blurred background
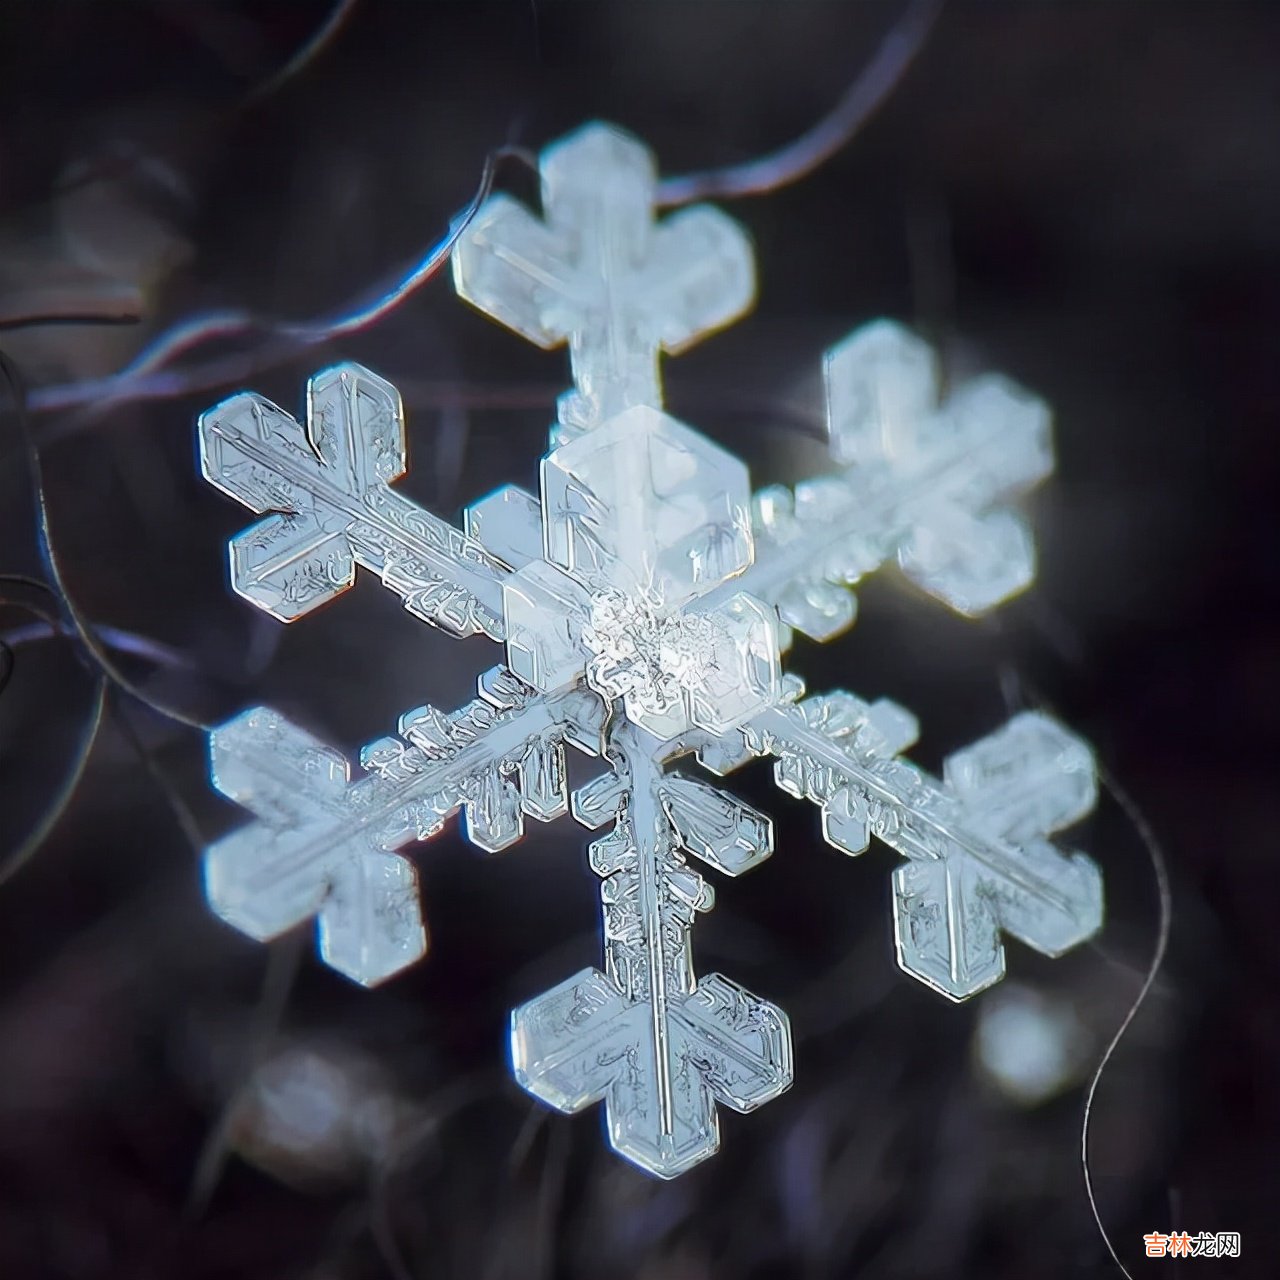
x,y
1084,196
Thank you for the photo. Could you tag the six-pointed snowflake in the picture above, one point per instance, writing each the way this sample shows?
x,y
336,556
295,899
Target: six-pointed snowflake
x,y
644,599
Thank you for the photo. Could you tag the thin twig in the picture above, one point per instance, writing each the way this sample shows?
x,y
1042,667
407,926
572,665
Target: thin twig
x,y
84,630
45,824
307,53
869,91
145,377
1164,927
1165,896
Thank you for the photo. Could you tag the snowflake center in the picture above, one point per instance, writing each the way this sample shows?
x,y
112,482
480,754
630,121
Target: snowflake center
x,y
640,653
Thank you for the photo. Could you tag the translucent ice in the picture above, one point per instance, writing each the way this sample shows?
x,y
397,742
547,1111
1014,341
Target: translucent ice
x,y
645,598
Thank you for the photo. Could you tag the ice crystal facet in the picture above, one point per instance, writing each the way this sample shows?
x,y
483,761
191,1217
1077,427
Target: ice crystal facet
x,y
645,599
643,503
598,273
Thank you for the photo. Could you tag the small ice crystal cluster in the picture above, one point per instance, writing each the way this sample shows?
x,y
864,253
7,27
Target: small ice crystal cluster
x,y
676,670
644,600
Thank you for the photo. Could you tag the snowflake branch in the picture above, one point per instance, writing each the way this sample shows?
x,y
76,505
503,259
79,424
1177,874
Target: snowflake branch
x,y
325,846
981,862
657,1045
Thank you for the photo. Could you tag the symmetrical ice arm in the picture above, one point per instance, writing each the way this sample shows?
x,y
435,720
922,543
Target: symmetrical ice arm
x,y
328,488
924,482
599,273
980,860
658,1046
325,846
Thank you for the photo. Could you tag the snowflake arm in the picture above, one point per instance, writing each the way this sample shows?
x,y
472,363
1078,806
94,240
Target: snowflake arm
x,y
924,482
658,1046
980,862
600,274
325,846
328,488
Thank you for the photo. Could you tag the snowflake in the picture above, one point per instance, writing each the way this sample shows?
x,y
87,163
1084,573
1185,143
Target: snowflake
x,y
645,600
